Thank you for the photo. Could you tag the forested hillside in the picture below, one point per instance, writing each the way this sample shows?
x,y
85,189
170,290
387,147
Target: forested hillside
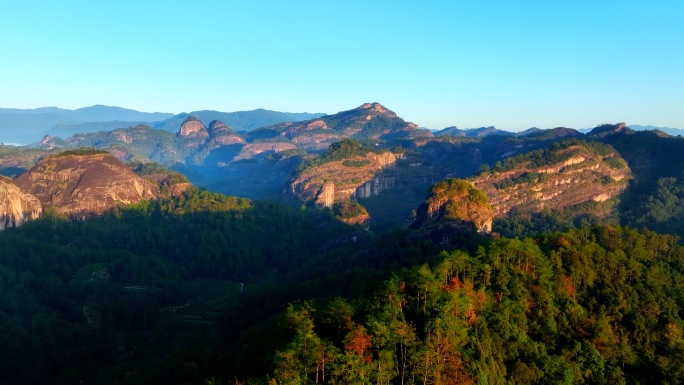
x,y
599,306
204,288
75,296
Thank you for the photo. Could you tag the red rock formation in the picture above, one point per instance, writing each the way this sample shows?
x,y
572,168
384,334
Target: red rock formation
x,y
192,127
342,177
85,185
221,134
456,201
16,206
583,174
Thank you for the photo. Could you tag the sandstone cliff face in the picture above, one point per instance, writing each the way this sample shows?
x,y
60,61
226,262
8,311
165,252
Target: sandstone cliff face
x,y
85,185
375,186
193,128
48,142
455,201
579,174
222,135
339,180
326,197
16,206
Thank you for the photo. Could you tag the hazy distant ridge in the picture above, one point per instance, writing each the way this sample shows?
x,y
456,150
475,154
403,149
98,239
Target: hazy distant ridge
x,y
667,130
27,126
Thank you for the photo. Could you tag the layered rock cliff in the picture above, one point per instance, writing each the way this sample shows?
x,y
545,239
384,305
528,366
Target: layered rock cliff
x,y
457,202
567,174
338,180
85,185
375,186
16,206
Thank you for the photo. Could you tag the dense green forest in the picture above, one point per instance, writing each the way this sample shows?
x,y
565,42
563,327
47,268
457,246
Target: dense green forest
x,y
601,305
205,288
72,292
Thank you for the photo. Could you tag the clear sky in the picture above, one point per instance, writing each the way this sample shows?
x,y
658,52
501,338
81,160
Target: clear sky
x,y
512,64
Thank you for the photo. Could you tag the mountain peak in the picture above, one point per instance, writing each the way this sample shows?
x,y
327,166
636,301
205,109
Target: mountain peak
x,y
372,121
222,134
192,118
377,109
193,127
217,125
608,129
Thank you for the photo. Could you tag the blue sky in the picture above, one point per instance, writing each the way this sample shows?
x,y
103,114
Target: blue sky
x,y
512,64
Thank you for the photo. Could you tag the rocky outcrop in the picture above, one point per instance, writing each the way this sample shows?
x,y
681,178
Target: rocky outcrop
x,y
192,127
339,180
48,142
564,176
375,186
16,206
457,202
222,135
179,189
326,197
85,185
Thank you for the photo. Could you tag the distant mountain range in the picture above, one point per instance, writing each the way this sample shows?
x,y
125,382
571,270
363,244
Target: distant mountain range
x,y
636,127
26,126
491,130
667,130
29,126
473,132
